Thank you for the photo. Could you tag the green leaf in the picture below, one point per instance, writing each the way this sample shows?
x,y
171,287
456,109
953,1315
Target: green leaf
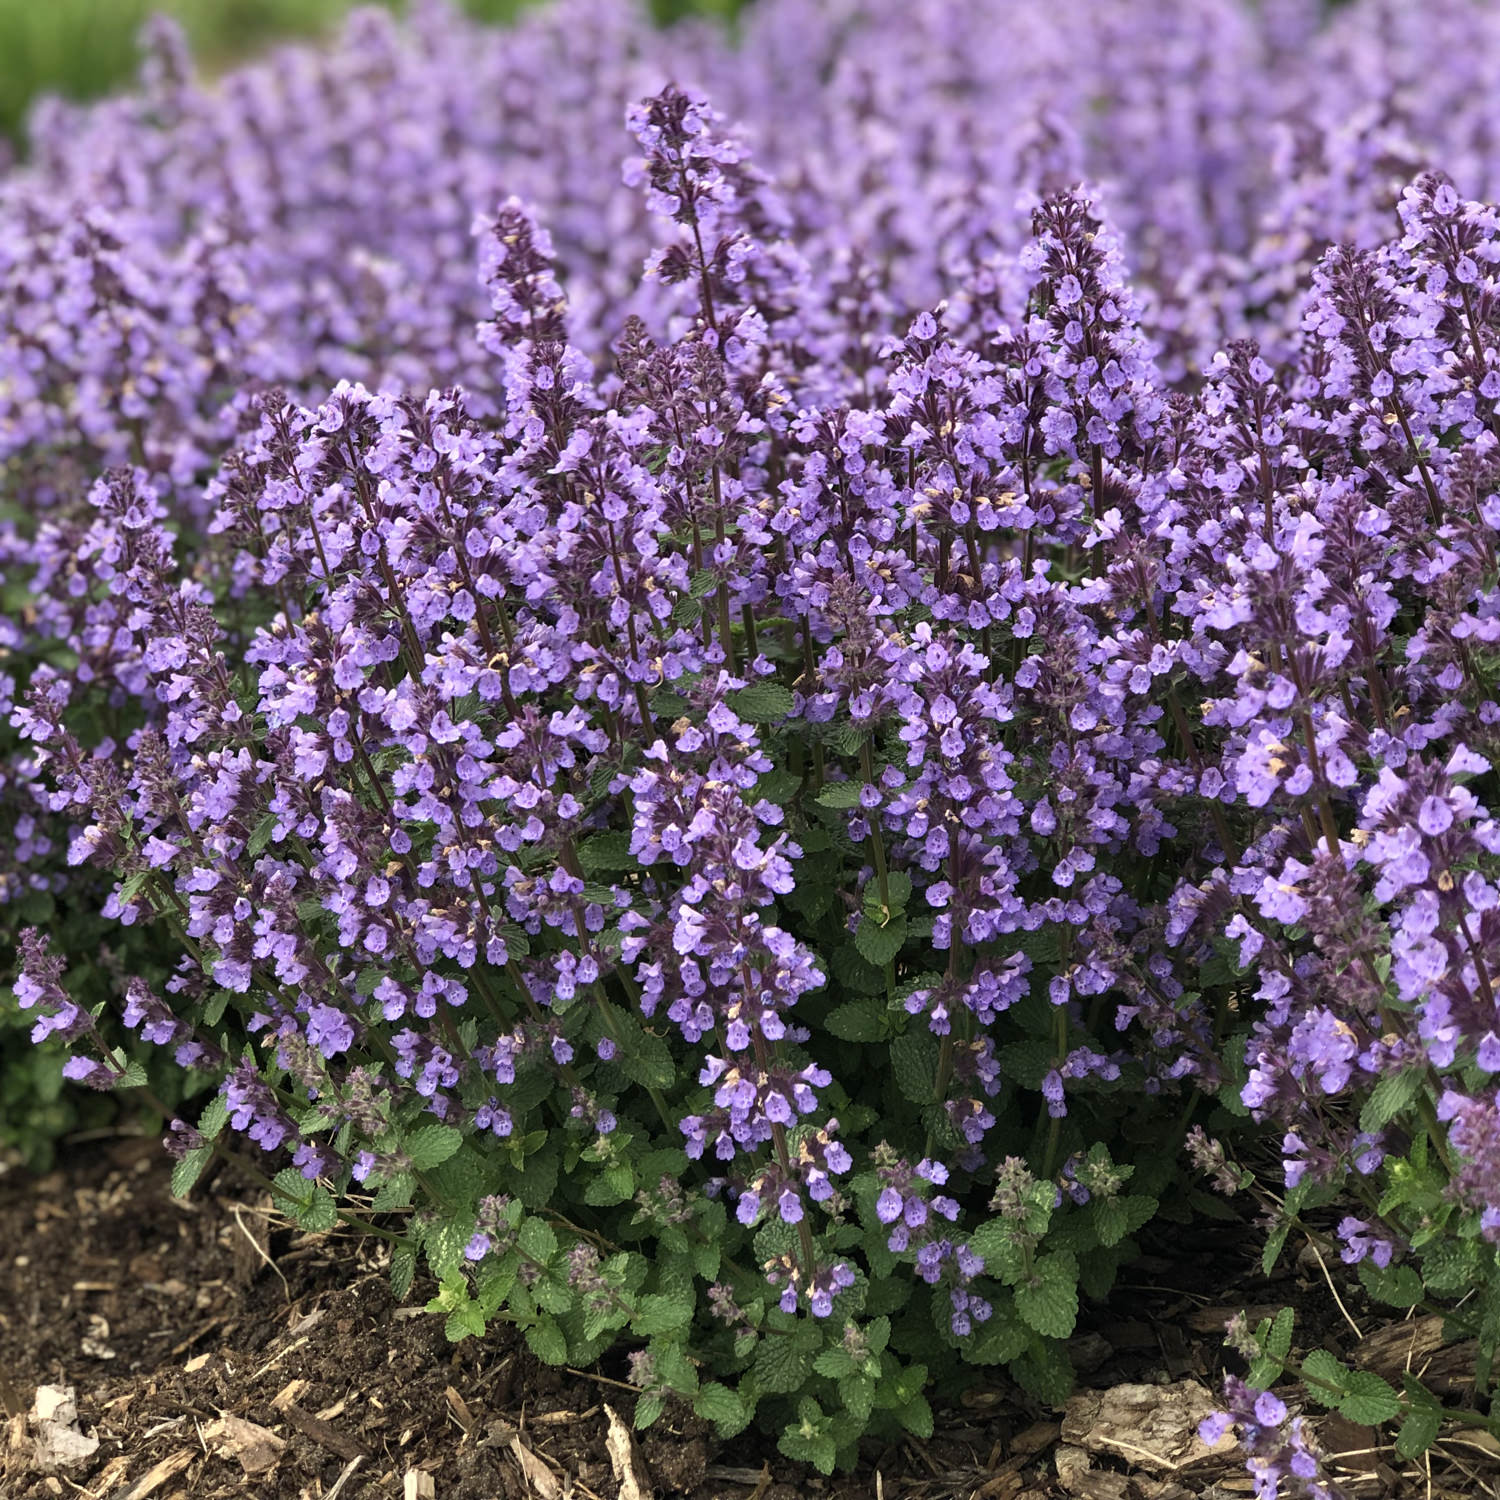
x,y
606,852
1045,1371
763,702
466,1321
840,794
914,1058
1397,1286
1368,1400
403,1269
218,1003
256,844
431,1146
1048,1299
879,945
857,1393
1324,1377
134,1076
859,1021
1114,1218
215,1116
395,1192
663,1312
648,1408
916,1417
189,1169
1392,1094
808,1440
537,1240
547,1341
1273,1248
1424,1418
781,1365
718,1404
1278,1340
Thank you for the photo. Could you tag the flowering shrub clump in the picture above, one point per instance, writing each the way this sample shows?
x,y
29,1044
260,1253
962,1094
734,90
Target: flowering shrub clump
x,y
735,780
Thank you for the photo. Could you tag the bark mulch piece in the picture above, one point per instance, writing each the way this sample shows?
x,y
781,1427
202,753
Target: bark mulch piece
x,y
214,1350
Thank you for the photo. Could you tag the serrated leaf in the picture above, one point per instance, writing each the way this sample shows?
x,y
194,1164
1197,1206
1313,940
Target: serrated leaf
x,y
834,1363
465,1322
816,1448
648,1408
537,1240
1397,1286
840,794
431,1145
1047,1300
1424,1419
606,852
1278,1341
662,1312
1324,1377
763,702
914,1065
1368,1400
858,1021
215,1006
1114,1218
547,1341
718,1404
395,1192
857,1393
403,1269
780,1365
189,1169
1271,1253
215,1116
879,945
255,846
1392,1094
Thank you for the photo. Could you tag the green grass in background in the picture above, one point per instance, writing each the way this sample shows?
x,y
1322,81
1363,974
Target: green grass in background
x,y
84,48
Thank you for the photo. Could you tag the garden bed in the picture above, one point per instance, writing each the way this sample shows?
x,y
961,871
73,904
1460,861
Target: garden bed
x,y
172,1319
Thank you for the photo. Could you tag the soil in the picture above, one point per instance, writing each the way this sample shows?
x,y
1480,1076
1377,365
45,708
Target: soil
x,y
217,1351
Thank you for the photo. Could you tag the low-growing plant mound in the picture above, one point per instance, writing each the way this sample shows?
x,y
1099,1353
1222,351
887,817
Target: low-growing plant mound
x,y
764,847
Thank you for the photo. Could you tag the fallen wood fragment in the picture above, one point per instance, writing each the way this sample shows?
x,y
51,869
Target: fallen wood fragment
x,y
625,1458
60,1443
156,1476
344,1478
539,1478
418,1485
325,1434
257,1448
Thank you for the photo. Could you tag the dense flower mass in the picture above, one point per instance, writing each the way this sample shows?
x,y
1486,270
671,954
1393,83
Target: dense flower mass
x,y
738,677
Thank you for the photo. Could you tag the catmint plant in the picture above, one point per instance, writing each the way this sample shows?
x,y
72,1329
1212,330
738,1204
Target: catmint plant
x,y
761,737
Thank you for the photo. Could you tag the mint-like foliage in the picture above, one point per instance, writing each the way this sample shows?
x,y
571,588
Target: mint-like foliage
x,y
764,761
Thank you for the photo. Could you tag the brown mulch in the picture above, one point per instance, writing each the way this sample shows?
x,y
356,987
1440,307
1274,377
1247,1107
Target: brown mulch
x,y
217,1351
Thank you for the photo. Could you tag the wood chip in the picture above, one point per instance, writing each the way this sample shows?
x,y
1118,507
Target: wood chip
x,y
418,1485
460,1409
1399,1346
288,1394
625,1458
60,1443
343,1479
1152,1426
325,1434
539,1478
257,1448
196,1363
156,1476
